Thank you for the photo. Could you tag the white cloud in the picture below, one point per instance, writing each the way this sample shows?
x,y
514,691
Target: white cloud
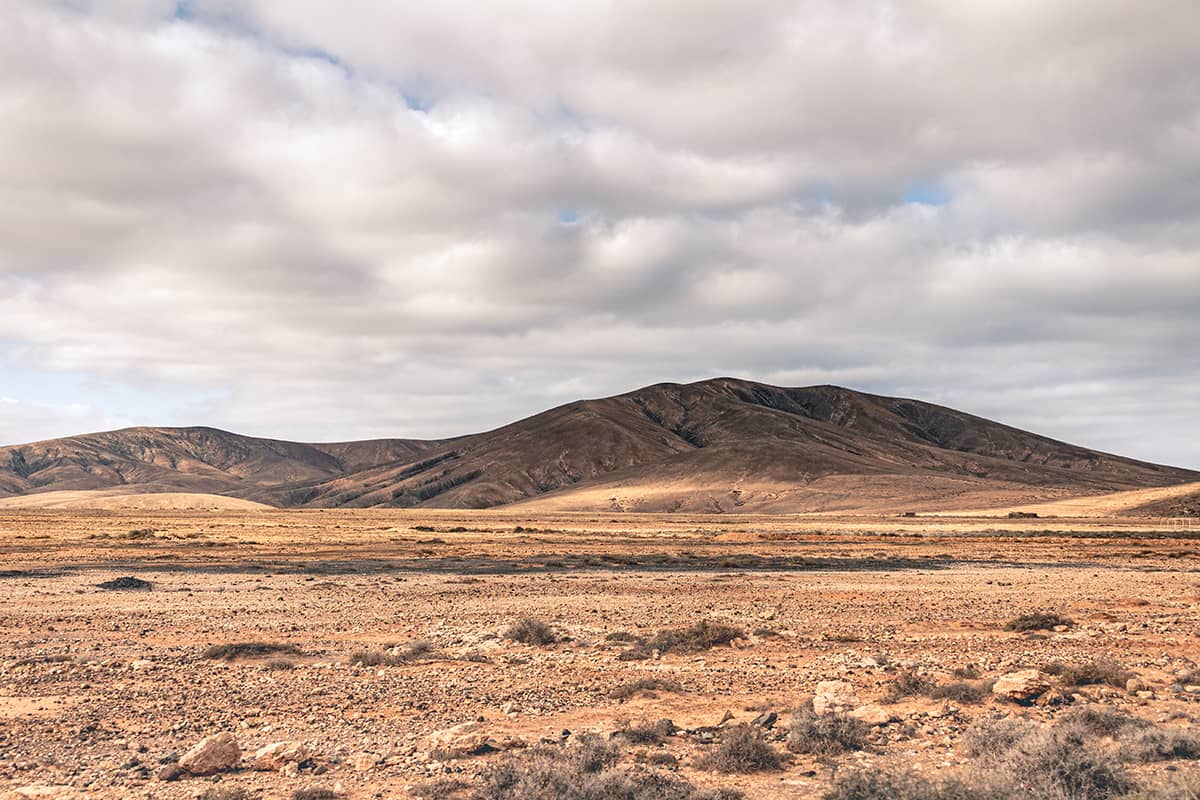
x,y
591,196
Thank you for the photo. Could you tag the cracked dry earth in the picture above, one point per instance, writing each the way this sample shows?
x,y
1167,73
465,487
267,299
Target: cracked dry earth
x,y
103,691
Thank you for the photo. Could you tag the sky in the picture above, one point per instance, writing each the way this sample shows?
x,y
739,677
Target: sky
x,y
328,221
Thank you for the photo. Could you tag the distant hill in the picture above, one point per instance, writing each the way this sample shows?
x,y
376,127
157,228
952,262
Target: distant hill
x,y
717,445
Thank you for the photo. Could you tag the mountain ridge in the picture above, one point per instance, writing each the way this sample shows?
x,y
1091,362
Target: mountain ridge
x,y
714,445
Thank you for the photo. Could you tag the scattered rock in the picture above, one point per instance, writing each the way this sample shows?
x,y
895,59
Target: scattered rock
x,y
1023,686
834,696
170,772
277,755
872,714
469,739
365,762
767,719
213,754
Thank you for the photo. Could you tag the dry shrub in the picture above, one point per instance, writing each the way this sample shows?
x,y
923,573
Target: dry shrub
x,y
441,789
1161,744
627,691
531,631
962,691
742,749
825,735
647,732
586,769
236,650
907,683
414,651
224,793
899,784
314,793
1093,673
126,583
1038,621
704,635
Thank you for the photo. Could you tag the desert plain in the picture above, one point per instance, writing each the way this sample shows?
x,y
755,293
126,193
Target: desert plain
x,y
379,653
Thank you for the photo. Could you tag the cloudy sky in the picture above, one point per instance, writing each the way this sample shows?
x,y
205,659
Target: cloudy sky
x,y
321,220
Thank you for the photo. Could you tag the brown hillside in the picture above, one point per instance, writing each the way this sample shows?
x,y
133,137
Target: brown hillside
x,y
716,445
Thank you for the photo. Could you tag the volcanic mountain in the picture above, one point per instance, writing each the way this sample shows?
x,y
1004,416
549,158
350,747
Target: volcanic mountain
x,y
717,445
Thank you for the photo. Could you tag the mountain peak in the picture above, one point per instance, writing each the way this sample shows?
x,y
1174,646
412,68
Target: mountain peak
x,y
714,445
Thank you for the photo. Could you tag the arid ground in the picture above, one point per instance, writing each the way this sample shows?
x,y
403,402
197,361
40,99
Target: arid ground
x,y
367,636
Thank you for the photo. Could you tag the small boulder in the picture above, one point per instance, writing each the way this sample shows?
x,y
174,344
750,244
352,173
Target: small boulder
x,y
767,720
277,755
1023,686
469,739
872,714
212,754
834,696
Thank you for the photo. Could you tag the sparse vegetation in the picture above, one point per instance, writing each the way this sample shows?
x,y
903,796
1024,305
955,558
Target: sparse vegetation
x,y
585,769
962,691
238,650
825,734
224,793
1038,621
704,635
126,583
413,651
531,631
1092,673
741,749
647,732
907,683
1161,744
314,793
644,686
441,789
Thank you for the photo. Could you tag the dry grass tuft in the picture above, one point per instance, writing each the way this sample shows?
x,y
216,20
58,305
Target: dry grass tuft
x,y
742,749
704,635
1038,621
237,650
1093,673
648,686
531,631
825,735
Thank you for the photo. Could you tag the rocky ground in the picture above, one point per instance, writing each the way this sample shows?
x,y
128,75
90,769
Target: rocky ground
x,y
377,652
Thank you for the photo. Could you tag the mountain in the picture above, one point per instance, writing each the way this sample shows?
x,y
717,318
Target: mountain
x,y
716,445
202,460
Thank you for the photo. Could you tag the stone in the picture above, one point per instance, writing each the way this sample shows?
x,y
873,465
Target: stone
x,y
277,755
1023,686
365,762
872,714
170,772
212,754
834,696
767,719
1134,685
469,739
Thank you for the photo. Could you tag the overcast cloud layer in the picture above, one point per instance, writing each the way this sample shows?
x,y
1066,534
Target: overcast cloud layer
x,y
322,220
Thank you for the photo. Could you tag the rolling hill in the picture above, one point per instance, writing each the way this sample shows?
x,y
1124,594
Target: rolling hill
x,y
716,445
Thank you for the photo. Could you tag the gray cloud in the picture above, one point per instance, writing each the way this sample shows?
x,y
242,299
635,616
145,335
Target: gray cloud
x,y
330,222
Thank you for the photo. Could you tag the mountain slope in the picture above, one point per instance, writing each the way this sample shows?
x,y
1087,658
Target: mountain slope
x,y
701,446
715,445
202,460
